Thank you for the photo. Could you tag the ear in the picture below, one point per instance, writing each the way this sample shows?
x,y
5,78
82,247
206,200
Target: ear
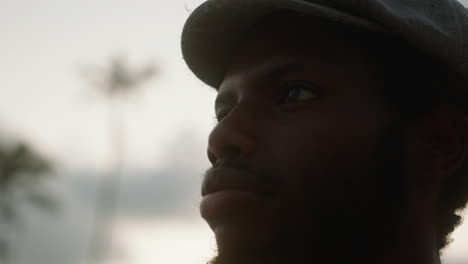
x,y
437,145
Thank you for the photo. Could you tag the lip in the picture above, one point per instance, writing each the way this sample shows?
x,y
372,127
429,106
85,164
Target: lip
x,y
221,179
229,192
217,206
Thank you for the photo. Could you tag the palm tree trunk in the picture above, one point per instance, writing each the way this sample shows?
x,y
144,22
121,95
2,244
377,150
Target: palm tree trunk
x,y
109,189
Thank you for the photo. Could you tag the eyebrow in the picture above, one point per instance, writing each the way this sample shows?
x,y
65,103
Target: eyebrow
x,y
272,70
277,71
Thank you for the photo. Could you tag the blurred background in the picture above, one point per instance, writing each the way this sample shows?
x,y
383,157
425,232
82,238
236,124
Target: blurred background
x,y
103,135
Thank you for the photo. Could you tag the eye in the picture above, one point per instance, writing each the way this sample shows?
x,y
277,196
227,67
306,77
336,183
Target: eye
x,y
299,91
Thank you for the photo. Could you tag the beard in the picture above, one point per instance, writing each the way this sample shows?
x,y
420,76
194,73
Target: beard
x,y
354,217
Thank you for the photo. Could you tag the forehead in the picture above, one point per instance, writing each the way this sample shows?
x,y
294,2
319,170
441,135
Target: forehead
x,y
273,48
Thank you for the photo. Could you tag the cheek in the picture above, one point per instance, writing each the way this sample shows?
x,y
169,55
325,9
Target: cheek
x,y
311,154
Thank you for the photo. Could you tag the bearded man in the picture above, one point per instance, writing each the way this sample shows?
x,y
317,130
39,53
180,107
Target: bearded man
x,y
342,130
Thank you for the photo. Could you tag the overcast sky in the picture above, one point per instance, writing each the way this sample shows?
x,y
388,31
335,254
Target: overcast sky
x,y
44,47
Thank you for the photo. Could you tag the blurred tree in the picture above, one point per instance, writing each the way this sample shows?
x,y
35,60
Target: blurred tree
x,y
118,79
21,172
115,82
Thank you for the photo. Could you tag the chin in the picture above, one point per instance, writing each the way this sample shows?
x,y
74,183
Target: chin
x,y
252,240
242,237
240,245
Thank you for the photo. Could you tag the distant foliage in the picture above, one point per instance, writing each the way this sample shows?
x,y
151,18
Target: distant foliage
x,y
118,77
22,171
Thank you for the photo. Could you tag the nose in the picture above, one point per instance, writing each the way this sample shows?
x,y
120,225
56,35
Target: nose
x,y
233,137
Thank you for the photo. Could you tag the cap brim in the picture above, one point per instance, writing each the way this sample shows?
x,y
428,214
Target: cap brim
x,y
215,28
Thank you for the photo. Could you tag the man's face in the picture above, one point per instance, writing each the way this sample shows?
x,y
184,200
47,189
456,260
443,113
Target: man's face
x,y
306,154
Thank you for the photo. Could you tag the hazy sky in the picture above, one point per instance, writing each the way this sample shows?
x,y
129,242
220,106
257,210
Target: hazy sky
x,y
44,48
46,45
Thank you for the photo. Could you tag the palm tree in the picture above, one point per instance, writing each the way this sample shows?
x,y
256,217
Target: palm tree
x,y
115,82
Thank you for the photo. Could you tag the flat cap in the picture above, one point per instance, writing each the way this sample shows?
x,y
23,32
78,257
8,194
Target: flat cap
x,y
439,28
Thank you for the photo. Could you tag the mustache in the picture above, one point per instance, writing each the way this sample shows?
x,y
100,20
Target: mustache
x,y
229,173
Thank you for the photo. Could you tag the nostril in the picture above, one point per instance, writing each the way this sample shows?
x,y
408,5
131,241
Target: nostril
x,y
227,152
212,157
231,152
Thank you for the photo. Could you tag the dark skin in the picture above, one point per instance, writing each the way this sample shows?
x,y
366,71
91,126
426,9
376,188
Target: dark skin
x,y
329,172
